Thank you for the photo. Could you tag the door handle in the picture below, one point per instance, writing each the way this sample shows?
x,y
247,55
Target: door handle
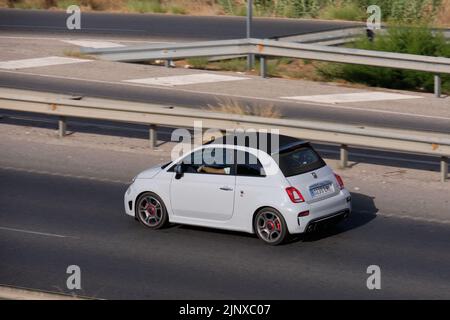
x,y
226,189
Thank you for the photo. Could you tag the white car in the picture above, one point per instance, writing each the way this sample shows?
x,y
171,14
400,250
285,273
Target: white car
x,y
284,190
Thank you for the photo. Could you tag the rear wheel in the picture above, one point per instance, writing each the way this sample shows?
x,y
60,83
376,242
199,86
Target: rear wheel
x,y
151,211
270,226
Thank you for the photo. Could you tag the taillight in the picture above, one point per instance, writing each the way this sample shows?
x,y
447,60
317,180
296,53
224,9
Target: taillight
x,y
340,181
295,195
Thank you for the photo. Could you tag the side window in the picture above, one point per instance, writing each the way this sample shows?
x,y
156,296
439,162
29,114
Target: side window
x,y
210,161
248,165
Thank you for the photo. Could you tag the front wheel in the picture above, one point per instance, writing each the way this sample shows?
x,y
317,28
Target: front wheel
x,y
151,211
270,226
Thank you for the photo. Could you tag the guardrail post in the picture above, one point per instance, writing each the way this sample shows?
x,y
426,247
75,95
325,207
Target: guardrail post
x,y
153,135
250,57
62,127
344,156
250,61
437,85
444,169
263,66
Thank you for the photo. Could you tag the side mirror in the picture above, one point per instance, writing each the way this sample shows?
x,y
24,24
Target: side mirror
x,y
179,172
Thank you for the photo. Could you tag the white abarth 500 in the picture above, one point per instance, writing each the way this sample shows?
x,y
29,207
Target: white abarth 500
x,y
280,191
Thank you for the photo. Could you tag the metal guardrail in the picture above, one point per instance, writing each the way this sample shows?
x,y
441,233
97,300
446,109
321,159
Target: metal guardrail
x,y
328,38
273,48
341,36
433,144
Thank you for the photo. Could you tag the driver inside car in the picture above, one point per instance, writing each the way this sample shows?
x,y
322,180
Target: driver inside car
x,y
211,170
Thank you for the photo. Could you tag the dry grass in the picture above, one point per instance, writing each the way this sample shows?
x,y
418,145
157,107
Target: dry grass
x,y
192,7
443,17
231,106
77,54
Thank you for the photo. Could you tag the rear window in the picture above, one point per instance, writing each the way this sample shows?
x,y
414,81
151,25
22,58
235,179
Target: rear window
x,y
300,160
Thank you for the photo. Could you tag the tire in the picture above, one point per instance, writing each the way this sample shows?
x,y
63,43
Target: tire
x,y
151,211
270,226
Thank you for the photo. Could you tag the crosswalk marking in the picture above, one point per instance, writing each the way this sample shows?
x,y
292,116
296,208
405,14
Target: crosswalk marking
x,y
353,97
94,44
38,62
186,79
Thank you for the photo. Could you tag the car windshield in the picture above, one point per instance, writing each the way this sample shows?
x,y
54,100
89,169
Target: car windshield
x,y
299,160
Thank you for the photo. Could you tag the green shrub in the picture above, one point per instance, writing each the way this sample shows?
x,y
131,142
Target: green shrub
x,y
401,10
236,65
198,63
396,10
177,10
305,8
401,39
146,6
229,6
64,4
348,11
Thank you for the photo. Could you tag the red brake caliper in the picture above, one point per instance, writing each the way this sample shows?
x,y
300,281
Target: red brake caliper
x,y
278,225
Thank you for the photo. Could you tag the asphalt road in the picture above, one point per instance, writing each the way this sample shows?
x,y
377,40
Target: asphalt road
x,y
199,100
165,26
85,226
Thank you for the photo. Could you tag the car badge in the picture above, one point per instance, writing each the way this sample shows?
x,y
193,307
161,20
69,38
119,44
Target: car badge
x,y
314,175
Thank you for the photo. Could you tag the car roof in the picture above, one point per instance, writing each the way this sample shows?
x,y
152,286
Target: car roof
x,y
263,143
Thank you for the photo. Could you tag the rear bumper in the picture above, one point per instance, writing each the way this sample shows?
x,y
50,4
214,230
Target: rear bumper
x,y
332,219
327,211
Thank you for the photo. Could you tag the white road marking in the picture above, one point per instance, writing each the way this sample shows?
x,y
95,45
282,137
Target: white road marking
x,y
65,28
186,79
353,97
86,39
65,175
341,107
94,44
35,232
38,62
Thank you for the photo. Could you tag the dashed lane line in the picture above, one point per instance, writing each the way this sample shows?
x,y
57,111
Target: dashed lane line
x,y
38,233
87,39
353,97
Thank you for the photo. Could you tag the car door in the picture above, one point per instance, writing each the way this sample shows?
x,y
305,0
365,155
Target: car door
x,y
208,192
251,187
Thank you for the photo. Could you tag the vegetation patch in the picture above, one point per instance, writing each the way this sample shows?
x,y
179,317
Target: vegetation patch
x,y
402,39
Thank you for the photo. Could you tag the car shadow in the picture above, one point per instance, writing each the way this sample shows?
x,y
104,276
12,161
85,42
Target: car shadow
x,y
363,212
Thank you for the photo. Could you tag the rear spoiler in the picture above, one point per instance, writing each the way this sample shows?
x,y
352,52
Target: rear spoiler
x,y
291,147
